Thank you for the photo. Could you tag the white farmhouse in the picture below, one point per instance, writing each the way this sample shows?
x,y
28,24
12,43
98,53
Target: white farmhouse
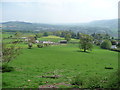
x,y
113,47
49,42
37,41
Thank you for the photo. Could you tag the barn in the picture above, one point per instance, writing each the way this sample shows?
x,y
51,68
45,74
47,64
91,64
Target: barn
x,y
63,41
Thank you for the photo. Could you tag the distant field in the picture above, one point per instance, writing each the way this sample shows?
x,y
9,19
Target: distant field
x,y
55,39
64,60
51,38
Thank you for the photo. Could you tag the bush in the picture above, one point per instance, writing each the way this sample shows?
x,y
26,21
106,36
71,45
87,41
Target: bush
x,y
94,82
118,44
6,68
106,44
117,50
40,45
77,81
111,81
114,42
9,53
114,80
46,44
29,45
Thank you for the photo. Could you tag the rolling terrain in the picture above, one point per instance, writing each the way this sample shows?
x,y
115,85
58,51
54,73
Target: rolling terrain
x,y
99,26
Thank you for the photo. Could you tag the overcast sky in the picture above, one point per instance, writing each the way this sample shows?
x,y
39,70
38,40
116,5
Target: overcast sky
x,y
58,11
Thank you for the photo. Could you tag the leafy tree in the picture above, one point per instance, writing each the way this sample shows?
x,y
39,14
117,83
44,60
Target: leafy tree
x,y
40,45
118,44
18,35
68,37
45,34
73,35
9,52
114,42
29,45
106,44
31,39
112,38
107,36
39,35
57,33
86,42
78,35
100,36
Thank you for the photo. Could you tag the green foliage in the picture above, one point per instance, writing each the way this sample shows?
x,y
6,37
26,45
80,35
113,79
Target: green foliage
x,y
68,37
77,80
61,60
97,81
45,34
106,44
29,45
46,44
86,42
40,45
39,35
6,68
100,36
18,34
96,42
113,42
9,52
114,80
78,35
94,82
31,39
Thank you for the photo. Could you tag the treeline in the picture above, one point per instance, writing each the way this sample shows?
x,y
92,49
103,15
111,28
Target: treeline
x,y
103,40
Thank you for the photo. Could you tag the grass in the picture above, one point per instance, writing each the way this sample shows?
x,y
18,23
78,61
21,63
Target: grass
x,y
55,39
51,38
64,60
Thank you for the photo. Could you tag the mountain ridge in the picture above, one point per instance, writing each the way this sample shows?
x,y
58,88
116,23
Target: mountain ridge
x,y
99,26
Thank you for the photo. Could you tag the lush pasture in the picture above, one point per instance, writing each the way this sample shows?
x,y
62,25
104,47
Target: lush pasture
x,y
54,39
64,60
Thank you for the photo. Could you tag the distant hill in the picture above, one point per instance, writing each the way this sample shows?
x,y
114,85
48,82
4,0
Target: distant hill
x,y
98,26
113,23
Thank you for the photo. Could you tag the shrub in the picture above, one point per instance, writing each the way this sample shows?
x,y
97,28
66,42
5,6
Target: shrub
x,y
114,80
9,52
111,81
94,82
97,43
118,44
40,45
6,68
46,44
117,50
106,44
114,42
29,45
77,81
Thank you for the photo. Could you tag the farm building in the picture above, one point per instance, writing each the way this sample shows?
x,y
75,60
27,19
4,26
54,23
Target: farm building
x,y
37,41
48,42
23,37
113,47
63,41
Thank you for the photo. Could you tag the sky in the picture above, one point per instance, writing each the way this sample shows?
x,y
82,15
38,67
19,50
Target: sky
x,y
58,11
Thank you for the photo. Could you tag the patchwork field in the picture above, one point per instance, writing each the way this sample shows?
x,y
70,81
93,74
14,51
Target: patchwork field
x,y
64,61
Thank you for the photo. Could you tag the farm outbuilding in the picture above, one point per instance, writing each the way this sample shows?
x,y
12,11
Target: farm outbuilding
x,y
47,42
63,41
113,46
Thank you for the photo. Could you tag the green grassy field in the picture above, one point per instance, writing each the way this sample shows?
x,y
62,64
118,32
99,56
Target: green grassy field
x,y
55,39
64,60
